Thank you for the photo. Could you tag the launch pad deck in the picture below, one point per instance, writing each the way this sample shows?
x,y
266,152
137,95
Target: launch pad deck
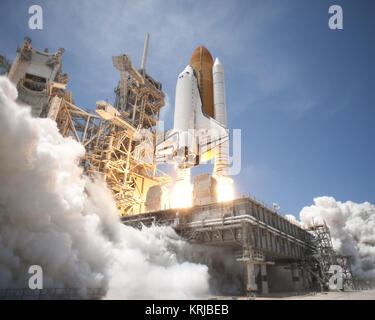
x,y
243,222
273,251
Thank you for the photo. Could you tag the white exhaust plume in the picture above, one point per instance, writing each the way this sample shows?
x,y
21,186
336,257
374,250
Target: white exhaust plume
x,y
352,227
53,216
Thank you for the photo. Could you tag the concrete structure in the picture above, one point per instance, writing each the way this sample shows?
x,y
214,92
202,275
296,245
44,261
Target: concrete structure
x,y
157,198
204,190
266,243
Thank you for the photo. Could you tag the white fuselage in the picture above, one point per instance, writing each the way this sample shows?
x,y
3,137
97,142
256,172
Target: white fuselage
x,y
194,133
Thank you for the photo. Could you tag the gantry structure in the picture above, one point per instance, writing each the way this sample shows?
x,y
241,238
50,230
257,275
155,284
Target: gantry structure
x,y
325,257
119,140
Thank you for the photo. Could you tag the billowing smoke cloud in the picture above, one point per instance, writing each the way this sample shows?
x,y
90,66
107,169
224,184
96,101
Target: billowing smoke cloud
x,y
53,216
352,227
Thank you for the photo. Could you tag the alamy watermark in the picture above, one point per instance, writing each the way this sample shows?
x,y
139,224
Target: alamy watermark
x,y
336,281
336,21
234,159
36,280
36,18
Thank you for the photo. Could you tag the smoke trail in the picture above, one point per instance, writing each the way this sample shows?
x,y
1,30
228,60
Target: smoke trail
x,y
352,227
53,216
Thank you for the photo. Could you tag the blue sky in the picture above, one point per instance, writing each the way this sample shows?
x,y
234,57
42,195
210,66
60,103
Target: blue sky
x,y
302,94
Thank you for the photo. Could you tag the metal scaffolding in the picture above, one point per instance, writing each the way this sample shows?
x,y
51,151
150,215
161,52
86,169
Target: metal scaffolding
x,y
113,151
4,65
120,148
325,257
119,141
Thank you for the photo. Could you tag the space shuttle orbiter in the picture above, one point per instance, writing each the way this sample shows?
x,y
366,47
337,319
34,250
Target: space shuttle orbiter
x,y
195,132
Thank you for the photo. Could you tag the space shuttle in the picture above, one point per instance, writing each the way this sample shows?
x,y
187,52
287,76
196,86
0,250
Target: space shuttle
x,y
196,132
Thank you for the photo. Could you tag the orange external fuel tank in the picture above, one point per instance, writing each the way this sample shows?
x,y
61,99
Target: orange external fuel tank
x,y
202,62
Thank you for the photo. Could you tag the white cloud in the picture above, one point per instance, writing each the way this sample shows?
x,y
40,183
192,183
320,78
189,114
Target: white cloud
x,y
352,227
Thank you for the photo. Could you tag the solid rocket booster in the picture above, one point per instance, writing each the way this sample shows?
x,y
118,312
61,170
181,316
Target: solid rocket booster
x,y
221,166
219,93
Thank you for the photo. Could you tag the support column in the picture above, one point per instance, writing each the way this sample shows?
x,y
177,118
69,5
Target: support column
x,y
251,284
307,280
263,272
295,277
134,109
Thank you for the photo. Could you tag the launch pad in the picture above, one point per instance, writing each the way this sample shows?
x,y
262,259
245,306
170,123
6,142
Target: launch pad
x,y
275,254
263,240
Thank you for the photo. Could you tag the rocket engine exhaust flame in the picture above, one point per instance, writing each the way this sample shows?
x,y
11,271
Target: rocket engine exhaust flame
x,y
225,189
182,193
